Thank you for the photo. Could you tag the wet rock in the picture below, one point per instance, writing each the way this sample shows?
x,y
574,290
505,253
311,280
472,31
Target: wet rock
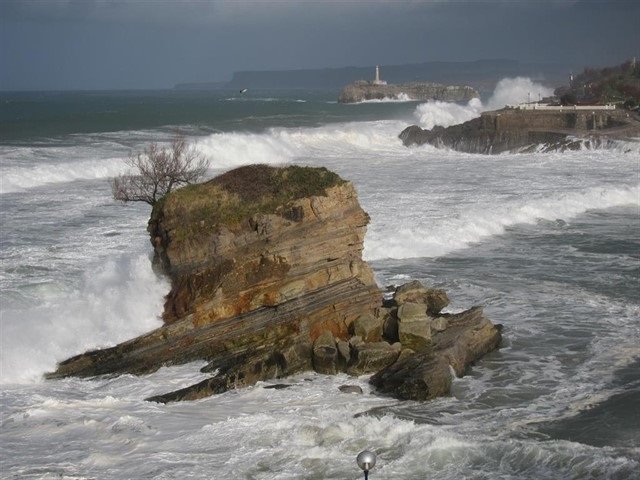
x,y
371,357
426,374
325,354
368,327
435,299
350,389
416,376
278,386
414,326
344,355
439,324
390,325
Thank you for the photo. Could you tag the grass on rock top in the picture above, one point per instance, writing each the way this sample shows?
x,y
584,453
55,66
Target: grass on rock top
x,y
238,194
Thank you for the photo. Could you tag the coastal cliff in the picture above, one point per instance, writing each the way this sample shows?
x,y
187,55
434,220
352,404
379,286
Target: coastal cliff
x,y
363,90
268,280
521,130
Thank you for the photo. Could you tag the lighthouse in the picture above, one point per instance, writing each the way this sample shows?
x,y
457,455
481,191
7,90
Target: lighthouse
x,y
377,80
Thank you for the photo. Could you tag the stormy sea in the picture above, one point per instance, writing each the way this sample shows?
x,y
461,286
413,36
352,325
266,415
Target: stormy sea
x,y
549,243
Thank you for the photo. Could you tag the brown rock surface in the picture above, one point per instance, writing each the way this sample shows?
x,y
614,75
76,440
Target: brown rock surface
x,y
267,279
262,260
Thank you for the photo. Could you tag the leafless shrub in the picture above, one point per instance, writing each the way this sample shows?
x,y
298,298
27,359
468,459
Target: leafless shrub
x,y
158,170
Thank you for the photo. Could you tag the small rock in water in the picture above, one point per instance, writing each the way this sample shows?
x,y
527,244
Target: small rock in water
x,y
278,386
350,389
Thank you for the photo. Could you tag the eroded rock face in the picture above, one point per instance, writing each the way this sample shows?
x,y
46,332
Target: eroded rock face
x,y
268,280
256,277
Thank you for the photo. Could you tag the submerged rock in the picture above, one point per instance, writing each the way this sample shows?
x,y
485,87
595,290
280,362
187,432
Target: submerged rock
x,y
350,389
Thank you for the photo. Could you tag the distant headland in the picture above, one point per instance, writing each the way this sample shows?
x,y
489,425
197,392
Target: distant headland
x,y
378,89
597,109
480,74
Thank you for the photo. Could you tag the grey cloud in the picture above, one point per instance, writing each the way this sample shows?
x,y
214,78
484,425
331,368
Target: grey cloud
x,y
143,44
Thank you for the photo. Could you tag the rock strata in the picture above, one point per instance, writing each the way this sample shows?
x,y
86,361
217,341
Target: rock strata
x,y
267,280
517,130
363,90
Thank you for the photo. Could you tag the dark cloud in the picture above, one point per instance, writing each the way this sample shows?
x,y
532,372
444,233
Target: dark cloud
x,y
154,44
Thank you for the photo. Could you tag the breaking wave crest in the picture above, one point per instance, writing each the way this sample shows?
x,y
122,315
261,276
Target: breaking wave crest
x,y
18,178
117,301
508,91
399,98
457,232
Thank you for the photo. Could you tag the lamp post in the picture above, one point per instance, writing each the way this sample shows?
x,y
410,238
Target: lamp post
x,y
366,461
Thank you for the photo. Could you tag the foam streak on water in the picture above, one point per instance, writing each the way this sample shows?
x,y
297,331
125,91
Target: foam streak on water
x,y
547,242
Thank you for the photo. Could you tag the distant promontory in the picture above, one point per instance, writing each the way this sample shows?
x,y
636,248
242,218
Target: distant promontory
x,y
378,89
362,90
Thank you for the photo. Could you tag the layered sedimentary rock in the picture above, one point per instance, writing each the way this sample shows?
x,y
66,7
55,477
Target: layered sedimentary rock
x,y
363,90
261,261
512,129
268,280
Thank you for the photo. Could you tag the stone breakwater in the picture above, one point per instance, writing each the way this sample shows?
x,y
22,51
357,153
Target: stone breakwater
x,y
268,280
514,130
363,90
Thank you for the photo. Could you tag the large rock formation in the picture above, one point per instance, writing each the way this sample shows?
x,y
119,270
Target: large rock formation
x,y
364,90
268,280
519,130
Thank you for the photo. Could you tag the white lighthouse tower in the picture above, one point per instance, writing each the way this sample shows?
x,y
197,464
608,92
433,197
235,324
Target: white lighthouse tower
x,y
377,80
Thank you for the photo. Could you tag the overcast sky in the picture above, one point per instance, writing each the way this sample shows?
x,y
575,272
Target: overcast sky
x,y
111,44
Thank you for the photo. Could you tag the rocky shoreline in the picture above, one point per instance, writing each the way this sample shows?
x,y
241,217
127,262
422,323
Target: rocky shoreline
x,y
363,90
268,280
520,130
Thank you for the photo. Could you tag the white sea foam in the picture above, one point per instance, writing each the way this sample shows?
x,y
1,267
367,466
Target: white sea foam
x,y
116,301
18,178
508,91
399,98
283,145
439,238
264,99
445,114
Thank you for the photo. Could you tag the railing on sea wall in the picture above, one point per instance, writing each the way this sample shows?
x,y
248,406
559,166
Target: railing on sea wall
x,y
562,108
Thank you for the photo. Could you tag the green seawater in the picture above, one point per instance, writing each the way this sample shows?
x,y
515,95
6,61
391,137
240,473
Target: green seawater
x,y
32,116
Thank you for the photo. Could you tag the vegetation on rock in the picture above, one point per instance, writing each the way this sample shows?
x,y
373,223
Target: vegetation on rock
x,y
158,170
239,194
618,84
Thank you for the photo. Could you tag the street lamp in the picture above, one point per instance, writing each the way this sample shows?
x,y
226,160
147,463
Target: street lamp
x,y
366,461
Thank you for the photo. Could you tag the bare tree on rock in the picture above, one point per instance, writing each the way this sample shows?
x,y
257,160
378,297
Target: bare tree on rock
x,y
158,170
